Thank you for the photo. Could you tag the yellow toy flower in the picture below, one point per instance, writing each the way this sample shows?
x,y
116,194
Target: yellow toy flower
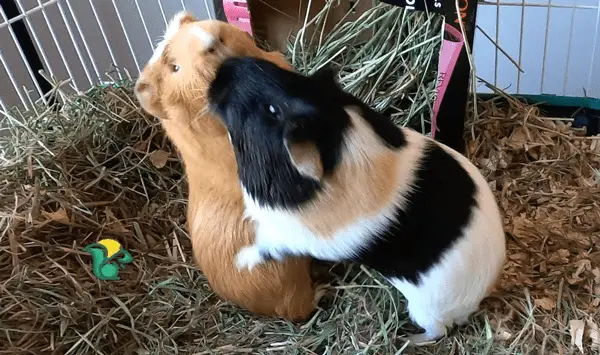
x,y
103,253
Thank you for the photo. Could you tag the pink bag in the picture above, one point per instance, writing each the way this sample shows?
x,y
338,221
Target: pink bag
x,y
448,56
237,14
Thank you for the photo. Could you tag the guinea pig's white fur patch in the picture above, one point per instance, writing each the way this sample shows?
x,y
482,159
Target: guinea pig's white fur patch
x,y
207,39
171,30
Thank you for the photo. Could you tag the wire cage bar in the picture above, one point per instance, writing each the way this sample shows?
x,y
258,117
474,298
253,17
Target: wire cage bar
x,y
82,43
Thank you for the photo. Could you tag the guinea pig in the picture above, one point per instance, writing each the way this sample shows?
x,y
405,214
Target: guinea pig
x,y
325,175
173,86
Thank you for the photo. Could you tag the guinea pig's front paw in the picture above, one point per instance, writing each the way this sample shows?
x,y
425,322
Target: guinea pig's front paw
x,y
248,257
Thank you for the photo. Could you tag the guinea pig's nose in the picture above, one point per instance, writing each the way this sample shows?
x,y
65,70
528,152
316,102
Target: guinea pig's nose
x,y
140,86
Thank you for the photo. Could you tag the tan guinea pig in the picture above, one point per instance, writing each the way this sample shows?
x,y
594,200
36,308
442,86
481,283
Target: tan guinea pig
x,y
173,87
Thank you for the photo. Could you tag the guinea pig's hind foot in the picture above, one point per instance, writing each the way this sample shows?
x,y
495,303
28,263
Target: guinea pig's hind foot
x,y
426,338
433,333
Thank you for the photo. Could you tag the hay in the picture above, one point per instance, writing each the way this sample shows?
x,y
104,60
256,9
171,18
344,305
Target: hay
x,y
545,176
394,70
91,171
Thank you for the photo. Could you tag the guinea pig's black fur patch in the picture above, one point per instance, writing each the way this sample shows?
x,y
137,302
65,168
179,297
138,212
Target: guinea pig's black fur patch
x,y
438,209
263,106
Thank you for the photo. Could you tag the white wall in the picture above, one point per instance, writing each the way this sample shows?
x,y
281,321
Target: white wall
x,y
554,42
571,63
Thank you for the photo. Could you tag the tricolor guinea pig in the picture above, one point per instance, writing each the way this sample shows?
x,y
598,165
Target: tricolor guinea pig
x,y
324,175
173,87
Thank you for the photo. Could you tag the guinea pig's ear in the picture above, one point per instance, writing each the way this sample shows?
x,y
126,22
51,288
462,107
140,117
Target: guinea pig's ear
x,y
306,158
187,17
278,59
326,77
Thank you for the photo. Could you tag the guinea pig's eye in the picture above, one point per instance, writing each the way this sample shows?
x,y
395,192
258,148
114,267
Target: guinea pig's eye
x,y
221,40
273,110
175,68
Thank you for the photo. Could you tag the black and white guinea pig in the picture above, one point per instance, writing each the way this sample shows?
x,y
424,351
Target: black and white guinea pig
x,y
324,175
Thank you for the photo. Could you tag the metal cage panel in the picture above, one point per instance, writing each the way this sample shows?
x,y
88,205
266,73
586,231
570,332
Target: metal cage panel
x,y
82,40
554,42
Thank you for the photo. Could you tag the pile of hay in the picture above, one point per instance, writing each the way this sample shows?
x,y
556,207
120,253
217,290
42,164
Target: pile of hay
x,y
547,180
388,57
100,169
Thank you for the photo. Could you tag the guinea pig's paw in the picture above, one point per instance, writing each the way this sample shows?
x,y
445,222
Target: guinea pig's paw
x,y
423,339
274,255
248,257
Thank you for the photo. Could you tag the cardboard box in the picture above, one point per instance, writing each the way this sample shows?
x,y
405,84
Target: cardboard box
x,y
273,21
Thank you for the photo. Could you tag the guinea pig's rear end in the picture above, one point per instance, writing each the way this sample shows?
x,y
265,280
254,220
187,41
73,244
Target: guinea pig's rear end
x,y
173,87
